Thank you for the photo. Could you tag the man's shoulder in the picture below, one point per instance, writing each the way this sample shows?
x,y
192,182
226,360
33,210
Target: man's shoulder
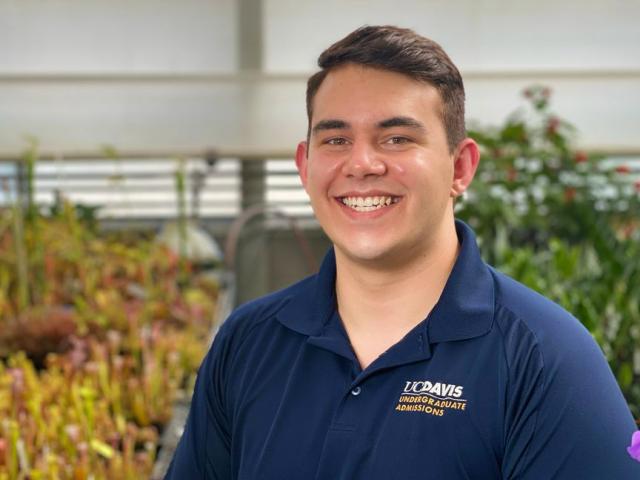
x,y
526,303
522,314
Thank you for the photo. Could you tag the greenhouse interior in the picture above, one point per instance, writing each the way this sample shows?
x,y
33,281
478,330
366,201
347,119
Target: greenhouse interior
x,y
148,188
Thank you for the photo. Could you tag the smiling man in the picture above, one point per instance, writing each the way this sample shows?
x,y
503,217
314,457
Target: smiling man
x,y
406,356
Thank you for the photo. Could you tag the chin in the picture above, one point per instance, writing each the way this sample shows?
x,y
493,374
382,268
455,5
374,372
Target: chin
x,y
366,253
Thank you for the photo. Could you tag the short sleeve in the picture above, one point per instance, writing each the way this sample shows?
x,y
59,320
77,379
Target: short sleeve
x,y
565,414
204,448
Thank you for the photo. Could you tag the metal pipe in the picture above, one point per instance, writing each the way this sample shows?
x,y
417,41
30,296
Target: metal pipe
x,y
246,154
259,154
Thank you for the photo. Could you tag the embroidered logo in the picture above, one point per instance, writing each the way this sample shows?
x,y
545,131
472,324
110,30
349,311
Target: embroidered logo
x,y
434,398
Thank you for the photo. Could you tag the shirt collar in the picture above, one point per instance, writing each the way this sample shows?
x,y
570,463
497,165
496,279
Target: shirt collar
x,y
310,308
464,310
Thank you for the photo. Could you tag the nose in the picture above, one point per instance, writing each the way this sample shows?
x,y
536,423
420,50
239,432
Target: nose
x,y
362,161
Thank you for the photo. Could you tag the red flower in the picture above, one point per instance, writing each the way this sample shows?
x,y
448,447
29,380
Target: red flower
x,y
552,125
512,174
624,169
580,156
637,186
569,194
627,231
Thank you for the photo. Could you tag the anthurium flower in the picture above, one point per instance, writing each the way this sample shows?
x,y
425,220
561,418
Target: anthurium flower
x,y
634,448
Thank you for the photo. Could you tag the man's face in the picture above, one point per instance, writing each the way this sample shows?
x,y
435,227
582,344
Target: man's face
x,y
378,172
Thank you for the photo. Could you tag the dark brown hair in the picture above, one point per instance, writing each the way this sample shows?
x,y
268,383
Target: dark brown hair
x,y
403,51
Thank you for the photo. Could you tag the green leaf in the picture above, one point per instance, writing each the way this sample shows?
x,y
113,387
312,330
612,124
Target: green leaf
x,y
625,375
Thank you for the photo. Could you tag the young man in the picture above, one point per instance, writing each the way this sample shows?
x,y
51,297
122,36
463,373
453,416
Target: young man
x,y
405,357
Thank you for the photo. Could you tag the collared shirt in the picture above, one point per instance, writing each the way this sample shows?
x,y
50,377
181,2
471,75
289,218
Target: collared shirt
x,y
496,383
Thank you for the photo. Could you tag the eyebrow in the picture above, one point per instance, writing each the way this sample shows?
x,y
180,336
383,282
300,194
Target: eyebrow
x,y
335,124
330,125
401,122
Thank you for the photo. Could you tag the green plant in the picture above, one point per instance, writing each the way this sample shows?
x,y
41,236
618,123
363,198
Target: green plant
x,y
88,376
532,185
566,223
181,199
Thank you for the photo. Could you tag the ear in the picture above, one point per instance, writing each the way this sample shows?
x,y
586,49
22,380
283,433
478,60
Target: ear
x,y
301,162
466,160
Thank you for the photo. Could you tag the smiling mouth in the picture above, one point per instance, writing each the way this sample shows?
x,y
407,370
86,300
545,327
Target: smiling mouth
x,y
368,204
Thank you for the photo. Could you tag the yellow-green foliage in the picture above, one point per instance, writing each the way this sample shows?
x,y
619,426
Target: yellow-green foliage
x,y
91,367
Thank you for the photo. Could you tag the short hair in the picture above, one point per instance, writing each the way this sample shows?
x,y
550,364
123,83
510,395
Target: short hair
x,y
403,51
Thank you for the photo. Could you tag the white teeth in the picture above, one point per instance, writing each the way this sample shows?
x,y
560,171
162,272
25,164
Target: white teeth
x,y
368,204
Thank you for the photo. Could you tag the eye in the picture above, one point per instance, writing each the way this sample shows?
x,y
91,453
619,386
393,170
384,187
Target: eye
x,y
398,140
336,141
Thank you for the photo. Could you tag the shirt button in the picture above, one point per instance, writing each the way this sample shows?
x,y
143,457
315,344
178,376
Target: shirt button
x,y
356,391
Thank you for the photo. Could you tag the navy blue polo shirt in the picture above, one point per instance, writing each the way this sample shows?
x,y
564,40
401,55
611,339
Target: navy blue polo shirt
x,y
496,383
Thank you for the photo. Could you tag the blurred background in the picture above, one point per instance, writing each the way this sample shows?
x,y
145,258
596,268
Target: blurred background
x,y
114,92
129,127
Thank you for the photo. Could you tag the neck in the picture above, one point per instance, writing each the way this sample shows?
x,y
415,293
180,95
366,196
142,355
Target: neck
x,y
392,300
